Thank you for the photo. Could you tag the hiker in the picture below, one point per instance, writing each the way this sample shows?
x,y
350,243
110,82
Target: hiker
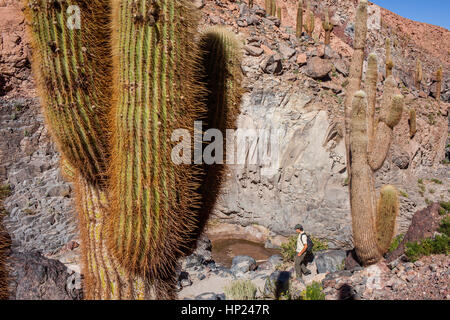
x,y
302,251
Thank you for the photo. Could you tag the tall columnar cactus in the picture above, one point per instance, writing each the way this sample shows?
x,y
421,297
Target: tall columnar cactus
x,y
113,93
389,61
356,69
310,23
299,26
412,123
373,224
327,27
250,4
273,7
268,6
439,84
368,140
419,74
279,15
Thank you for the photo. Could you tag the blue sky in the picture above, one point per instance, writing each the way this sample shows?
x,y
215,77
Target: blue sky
x,y
435,12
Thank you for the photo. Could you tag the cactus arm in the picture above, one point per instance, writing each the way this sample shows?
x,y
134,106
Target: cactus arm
x,y
74,99
150,227
371,87
387,212
384,134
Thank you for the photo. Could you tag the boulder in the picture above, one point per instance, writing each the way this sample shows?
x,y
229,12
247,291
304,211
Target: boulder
x,y
318,68
272,64
329,261
275,260
253,51
286,52
277,283
243,264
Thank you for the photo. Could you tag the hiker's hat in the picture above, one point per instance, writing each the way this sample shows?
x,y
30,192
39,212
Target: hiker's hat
x,y
299,226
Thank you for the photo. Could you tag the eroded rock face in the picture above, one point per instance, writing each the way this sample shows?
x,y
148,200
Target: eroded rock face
x,y
307,185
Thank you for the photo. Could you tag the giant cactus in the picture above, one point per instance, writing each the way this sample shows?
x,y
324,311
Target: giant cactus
x,y
373,225
113,92
368,140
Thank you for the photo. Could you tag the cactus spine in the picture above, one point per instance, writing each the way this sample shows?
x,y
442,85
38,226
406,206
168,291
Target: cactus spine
x,y
439,84
419,74
327,27
412,123
389,61
369,141
114,91
299,26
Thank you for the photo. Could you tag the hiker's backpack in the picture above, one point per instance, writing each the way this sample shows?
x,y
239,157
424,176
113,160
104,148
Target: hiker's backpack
x,y
309,243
